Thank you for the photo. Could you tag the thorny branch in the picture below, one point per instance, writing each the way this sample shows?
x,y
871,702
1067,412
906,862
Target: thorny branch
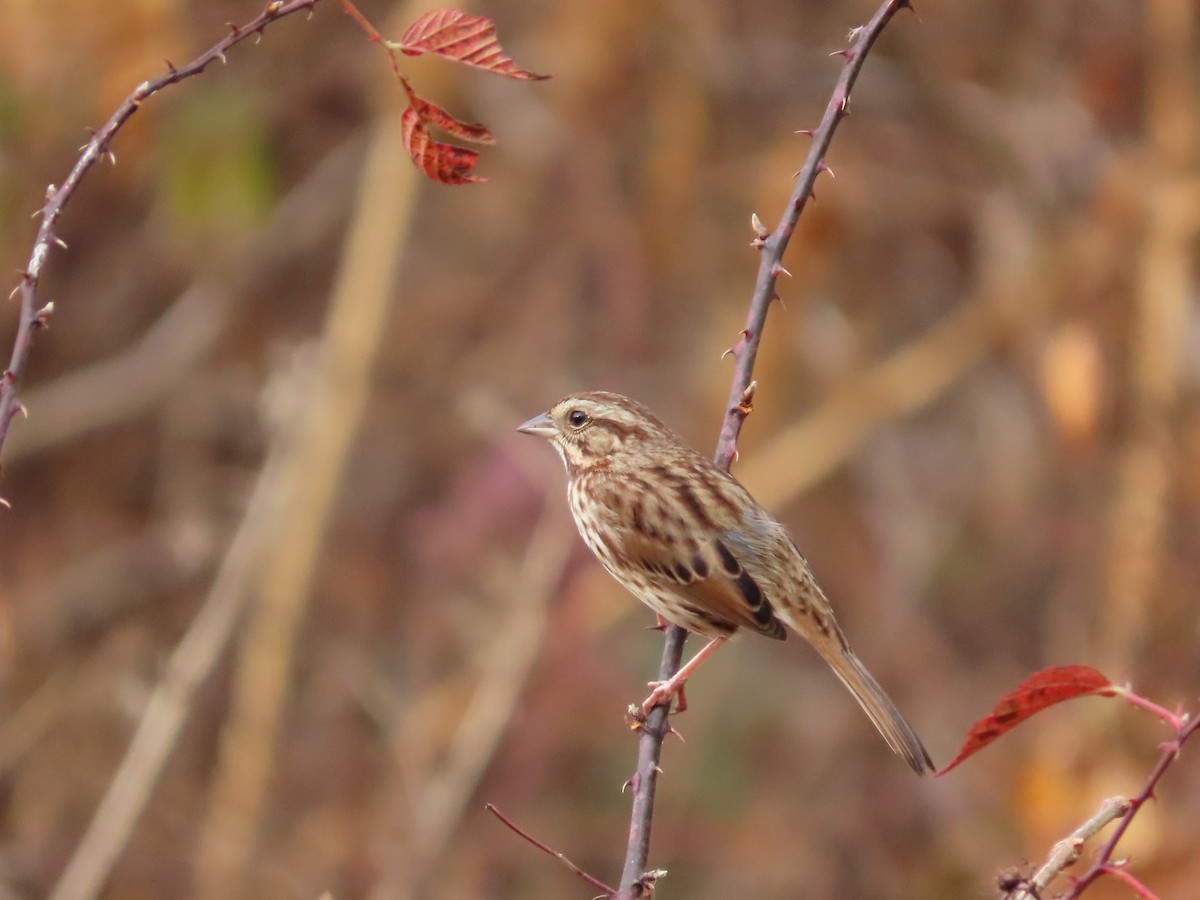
x,y
741,396
1104,863
34,317
1068,851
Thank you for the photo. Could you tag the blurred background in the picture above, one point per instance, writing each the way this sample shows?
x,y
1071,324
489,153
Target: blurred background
x,y
285,599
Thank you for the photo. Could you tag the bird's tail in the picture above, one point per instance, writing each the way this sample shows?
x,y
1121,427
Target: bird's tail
x,y
879,707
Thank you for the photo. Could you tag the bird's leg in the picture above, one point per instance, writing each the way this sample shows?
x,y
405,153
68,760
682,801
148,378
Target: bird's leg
x,y
663,691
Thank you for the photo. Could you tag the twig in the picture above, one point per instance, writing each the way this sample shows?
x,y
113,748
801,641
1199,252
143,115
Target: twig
x,y
1119,873
374,37
770,267
34,317
443,794
1067,851
508,823
142,375
1104,864
1174,719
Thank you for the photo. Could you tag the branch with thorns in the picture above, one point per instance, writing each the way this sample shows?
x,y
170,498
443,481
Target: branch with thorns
x,y
771,246
636,880
34,317
1068,851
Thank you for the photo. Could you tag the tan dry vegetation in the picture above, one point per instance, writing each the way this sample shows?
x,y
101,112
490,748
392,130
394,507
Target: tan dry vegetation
x,y
977,412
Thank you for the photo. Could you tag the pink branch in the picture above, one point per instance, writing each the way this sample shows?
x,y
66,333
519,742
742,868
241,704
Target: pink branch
x,y
1172,719
512,826
1103,864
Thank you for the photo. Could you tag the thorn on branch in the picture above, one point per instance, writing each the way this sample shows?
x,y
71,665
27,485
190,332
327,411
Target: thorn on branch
x,y
760,231
822,167
635,718
648,880
4,502
41,318
743,336
234,31
776,271
805,131
746,404
845,53
170,66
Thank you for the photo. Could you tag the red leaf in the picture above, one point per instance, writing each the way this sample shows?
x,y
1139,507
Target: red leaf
x,y
441,162
466,39
1037,692
439,118
431,114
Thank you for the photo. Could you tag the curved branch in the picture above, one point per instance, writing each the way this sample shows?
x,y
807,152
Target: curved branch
x,y
34,317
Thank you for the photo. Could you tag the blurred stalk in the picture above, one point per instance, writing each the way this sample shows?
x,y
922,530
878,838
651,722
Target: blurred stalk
x,y
356,322
189,665
1140,508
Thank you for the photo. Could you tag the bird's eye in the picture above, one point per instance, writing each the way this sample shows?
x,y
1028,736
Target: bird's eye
x,y
577,418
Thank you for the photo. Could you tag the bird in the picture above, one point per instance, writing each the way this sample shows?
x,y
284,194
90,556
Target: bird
x,y
689,541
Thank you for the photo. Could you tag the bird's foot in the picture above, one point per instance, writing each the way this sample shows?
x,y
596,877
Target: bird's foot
x,y
662,692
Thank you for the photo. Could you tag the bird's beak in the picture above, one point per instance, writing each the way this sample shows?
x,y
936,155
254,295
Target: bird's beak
x,y
541,425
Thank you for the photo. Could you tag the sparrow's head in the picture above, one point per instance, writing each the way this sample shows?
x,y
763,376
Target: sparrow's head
x,y
598,426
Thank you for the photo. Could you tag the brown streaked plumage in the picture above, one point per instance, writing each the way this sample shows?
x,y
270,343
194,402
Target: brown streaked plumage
x,y
692,544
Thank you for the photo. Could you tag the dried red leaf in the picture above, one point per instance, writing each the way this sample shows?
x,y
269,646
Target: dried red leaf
x,y
439,118
441,162
432,114
454,35
1043,689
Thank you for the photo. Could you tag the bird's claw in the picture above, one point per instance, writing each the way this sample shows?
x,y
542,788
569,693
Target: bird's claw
x,y
662,692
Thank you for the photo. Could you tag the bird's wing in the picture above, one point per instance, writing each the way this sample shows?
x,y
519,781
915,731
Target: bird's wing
x,y
711,581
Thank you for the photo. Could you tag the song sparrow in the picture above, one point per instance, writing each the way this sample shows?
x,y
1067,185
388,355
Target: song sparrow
x,y
692,544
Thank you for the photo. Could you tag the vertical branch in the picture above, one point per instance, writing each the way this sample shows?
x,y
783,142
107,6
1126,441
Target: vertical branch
x,y
741,395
